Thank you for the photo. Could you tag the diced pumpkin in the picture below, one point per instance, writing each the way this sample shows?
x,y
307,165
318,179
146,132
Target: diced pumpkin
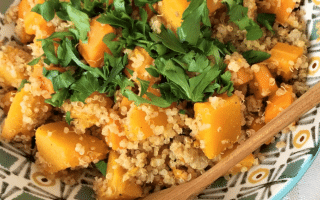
x,y
88,114
172,11
213,5
281,8
13,70
111,131
58,140
34,22
6,101
245,164
281,55
220,120
278,102
257,124
139,60
24,8
114,188
263,83
244,75
45,83
93,51
26,113
139,125
180,175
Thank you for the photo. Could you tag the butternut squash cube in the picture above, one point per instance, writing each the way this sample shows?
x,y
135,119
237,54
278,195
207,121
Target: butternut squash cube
x,y
282,55
6,101
244,75
13,65
26,113
139,60
114,187
283,98
143,121
281,8
213,5
111,131
243,165
220,123
93,112
93,51
172,11
35,24
257,124
263,83
58,140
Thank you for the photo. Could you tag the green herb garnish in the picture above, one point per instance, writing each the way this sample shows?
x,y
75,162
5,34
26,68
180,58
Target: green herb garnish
x,y
68,117
102,167
23,82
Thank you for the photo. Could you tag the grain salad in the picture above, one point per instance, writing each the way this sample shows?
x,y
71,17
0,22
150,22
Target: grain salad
x,y
150,93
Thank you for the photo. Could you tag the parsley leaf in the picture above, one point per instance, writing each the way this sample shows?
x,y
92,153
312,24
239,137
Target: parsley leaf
x,y
68,117
81,21
47,9
102,167
266,20
196,12
35,61
23,82
84,87
59,97
169,39
253,56
141,3
239,15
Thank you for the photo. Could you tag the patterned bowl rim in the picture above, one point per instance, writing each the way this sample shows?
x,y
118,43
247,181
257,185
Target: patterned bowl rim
x,y
294,181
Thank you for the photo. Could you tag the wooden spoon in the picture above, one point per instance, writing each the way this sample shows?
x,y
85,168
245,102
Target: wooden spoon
x,y
190,190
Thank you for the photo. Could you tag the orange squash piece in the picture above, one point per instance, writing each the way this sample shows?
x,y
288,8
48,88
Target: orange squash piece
x,y
12,70
221,121
118,189
257,124
213,5
46,84
111,130
278,102
244,75
281,8
281,55
34,21
6,101
58,140
263,83
25,113
172,11
139,126
93,51
23,8
244,164
84,114
139,60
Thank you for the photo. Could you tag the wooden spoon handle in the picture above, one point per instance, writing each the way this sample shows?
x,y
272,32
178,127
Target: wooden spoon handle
x,y
293,112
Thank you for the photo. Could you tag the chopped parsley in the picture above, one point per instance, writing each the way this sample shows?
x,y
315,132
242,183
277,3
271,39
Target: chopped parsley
x,y
181,59
68,117
23,82
102,167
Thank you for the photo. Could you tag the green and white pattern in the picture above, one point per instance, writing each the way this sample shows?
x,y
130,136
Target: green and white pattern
x,y
272,179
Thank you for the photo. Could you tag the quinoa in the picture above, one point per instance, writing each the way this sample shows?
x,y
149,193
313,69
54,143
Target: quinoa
x,y
157,147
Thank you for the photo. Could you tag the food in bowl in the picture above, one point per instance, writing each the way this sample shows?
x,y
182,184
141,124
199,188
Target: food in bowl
x,y
153,93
